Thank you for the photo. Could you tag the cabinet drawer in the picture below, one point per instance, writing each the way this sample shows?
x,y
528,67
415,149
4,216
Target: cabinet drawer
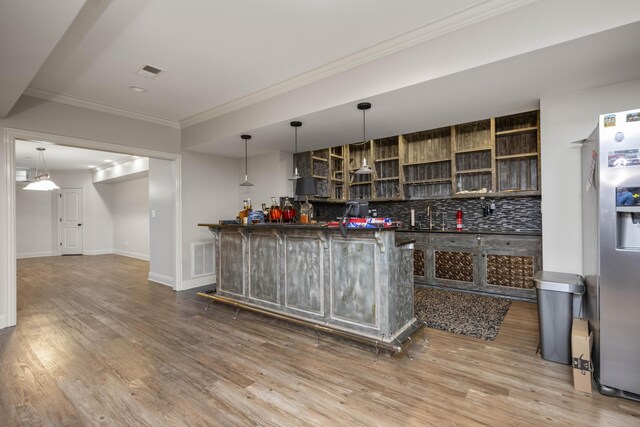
x,y
506,243
454,240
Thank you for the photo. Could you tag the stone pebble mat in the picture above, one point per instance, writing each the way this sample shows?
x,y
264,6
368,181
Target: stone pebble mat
x,y
462,313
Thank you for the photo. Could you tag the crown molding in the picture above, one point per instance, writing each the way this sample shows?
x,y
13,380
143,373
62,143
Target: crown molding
x,y
479,12
90,105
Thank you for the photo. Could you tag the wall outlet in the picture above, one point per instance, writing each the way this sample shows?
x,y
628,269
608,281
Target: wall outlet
x,y
153,213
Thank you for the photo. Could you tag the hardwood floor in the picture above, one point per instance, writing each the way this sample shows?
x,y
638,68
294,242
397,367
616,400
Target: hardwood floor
x,y
96,344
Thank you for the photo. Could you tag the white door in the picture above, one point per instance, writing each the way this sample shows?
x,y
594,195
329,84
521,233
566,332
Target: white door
x,y
70,221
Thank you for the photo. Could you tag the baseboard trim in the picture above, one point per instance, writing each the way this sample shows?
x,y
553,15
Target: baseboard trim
x,y
144,257
161,279
209,279
97,251
3,321
34,254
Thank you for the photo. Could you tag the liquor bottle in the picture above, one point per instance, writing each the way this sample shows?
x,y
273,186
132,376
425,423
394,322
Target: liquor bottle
x,y
244,213
459,219
288,211
249,204
275,213
265,212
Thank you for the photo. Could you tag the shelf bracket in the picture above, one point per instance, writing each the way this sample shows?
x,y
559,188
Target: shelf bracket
x,y
216,233
380,241
244,234
275,233
323,239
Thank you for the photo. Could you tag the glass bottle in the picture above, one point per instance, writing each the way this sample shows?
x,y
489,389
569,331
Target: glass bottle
x,y
275,213
306,212
288,211
244,213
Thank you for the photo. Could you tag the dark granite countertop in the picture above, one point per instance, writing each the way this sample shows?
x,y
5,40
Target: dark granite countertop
x,y
472,231
280,226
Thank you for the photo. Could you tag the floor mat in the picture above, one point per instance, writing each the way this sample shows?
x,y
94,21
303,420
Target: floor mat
x,y
463,313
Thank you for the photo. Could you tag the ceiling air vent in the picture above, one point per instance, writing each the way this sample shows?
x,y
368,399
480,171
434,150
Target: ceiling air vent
x,y
149,71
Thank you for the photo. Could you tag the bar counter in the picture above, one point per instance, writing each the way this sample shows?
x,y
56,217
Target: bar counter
x,y
359,287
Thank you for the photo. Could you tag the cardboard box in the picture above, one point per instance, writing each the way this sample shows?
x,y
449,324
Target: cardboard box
x,y
581,342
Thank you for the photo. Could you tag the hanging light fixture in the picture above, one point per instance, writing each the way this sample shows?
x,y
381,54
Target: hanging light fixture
x,y
41,181
295,124
246,182
364,169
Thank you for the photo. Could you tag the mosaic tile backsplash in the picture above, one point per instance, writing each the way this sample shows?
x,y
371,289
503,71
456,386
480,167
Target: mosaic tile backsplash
x,y
510,214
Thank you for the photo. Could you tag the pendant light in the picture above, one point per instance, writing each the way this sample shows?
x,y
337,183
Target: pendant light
x,y
364,169
246,182
41,181
295,124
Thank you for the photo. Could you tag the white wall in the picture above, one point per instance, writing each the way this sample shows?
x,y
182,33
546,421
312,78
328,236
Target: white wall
x,y
162,178
269,174
65,120
210,191
97,226
36,216
33,223
130,210
564,119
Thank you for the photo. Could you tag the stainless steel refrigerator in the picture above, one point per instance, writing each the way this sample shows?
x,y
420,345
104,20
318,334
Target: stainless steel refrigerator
x,y
611,250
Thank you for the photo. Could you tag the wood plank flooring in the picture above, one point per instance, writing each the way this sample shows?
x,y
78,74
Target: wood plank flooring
x,y
97,344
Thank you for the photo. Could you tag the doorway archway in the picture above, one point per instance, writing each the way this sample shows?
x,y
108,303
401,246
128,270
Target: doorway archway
x,y
8,283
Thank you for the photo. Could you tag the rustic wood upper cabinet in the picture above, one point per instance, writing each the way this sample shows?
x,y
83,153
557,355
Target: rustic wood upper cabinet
x,y
426,160
496,156
337,167
387,176
360,186
473,157
517,148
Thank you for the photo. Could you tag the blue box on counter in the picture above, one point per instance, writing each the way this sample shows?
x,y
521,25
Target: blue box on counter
x,y
369,222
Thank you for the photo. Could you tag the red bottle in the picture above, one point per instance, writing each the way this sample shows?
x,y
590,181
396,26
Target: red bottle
x,y
459,220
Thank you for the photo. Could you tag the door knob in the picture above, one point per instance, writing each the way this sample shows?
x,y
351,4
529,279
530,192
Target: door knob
x,y
79,225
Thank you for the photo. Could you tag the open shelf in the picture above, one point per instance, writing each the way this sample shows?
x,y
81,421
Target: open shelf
x,y
516,156
475,170
448,159
521,130
427,181
387,159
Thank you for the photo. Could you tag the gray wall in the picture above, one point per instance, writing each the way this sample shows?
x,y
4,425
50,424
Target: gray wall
x,y
162,195
131,218
564,119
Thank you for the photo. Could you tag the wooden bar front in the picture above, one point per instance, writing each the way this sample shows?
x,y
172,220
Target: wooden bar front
x,y
360,286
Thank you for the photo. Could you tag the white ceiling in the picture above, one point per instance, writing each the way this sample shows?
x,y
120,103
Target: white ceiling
x,y
252,65
500,88
60,157
216,51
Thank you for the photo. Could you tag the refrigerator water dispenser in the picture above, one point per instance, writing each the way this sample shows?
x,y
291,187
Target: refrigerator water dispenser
x,y
628,218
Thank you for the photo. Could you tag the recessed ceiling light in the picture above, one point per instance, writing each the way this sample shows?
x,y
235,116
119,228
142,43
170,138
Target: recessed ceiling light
x,y
138,89
109,160
28,158
91,166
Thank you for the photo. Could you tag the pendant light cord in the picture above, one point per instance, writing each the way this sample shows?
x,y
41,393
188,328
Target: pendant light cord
x,y
364,125
246,161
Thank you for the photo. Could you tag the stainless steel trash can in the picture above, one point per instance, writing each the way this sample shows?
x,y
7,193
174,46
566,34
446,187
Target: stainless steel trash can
x,y
559,301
